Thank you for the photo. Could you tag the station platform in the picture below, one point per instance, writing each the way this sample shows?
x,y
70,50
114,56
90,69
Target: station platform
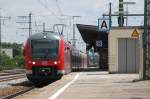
x,y
93,85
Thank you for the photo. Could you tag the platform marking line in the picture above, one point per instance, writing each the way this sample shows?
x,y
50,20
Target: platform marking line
x,y
55,95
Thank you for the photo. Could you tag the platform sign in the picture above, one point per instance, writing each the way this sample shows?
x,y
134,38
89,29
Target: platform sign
x,y
135,34
104,24
99,43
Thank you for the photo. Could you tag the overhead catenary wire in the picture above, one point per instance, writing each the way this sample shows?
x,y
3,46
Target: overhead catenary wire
x,y
46,7
58,7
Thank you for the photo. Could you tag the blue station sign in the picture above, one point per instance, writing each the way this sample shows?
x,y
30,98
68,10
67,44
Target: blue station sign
x,y
104,24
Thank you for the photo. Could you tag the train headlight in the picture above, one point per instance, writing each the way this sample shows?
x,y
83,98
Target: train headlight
x,y
33,63
55,62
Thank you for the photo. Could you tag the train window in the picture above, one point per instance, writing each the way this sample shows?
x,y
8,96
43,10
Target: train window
x,y
44,49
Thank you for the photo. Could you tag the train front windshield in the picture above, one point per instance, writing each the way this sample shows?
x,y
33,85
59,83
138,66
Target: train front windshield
x,y
44,49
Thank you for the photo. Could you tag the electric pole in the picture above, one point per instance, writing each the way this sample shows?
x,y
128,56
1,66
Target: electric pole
x,y
0,39
2,18
29,22
146,41
121,16
44,27
121,13
41,26
127,12
74,38
110,12
144,38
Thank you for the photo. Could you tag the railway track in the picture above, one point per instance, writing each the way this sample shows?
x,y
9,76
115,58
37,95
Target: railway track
x,y
12,72
15,94
7,74
12,77
16,89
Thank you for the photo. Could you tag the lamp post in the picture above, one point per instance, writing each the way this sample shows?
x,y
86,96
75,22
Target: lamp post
x,y
127,3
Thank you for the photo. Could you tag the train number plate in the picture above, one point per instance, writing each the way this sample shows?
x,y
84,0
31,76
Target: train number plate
x,y
45,69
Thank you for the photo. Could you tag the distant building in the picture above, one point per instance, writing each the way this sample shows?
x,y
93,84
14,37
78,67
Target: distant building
x,y
9,52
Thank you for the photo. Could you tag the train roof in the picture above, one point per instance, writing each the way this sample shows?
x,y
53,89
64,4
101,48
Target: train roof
x,y
45,35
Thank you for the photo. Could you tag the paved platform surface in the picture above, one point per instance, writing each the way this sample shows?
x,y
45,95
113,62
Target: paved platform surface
x,y
94,85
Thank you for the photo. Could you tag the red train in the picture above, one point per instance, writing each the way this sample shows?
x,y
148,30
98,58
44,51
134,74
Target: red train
x,y
48,57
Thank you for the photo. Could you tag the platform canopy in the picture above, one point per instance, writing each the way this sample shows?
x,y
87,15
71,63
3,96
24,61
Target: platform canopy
x,y
91,35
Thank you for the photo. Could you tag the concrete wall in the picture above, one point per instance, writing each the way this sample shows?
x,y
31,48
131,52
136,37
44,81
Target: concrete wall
x,y
114,35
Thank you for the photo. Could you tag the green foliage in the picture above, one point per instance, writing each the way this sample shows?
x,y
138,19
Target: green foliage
x,y
7,63
19,61
5,60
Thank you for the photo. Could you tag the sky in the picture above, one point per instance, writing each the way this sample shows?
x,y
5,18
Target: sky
x,y
58,12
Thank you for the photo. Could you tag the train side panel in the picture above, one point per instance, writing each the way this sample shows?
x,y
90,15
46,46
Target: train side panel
x,y
67,58
28,57
61,66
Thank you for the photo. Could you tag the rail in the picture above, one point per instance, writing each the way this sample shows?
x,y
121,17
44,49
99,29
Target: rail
x,y
11,77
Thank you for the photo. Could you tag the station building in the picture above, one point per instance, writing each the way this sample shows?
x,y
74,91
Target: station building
x,y
121,51
125,50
